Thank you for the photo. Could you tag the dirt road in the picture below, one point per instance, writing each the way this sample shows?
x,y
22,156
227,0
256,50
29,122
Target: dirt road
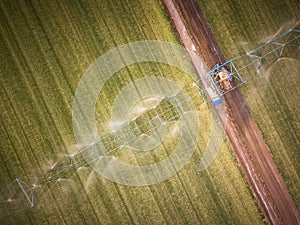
x,y
244,135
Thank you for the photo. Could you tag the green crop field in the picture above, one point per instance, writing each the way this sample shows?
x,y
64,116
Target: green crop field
x,y
45,48
240,26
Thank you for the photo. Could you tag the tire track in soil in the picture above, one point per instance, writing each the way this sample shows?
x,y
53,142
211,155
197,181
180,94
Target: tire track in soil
x,y
253,155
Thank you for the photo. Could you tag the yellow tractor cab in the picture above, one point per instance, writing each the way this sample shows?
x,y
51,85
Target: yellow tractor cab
x,y
222,79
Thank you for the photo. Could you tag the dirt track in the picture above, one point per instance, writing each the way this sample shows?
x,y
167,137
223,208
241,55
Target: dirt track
x,y
252,153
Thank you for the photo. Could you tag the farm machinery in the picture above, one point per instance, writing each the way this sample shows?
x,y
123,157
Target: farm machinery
x,y
222,79
227,76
